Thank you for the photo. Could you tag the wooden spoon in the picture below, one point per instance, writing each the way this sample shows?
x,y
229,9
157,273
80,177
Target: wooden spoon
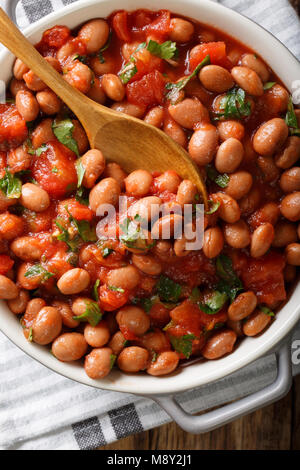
x,y
123,139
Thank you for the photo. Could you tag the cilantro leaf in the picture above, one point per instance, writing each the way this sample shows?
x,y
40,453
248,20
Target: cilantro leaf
x,y
30,335
80,172
267,311
130,69
82,196
168,290
214,206
113,358
38,270
86,232
116,289
92,313
132,236
64,236
175,88
269,85
81,58
63,131
183,344
221,180
40,150
229,284
95,290
11,185
234,105
106,252
214,303
166,50
106,46
291,119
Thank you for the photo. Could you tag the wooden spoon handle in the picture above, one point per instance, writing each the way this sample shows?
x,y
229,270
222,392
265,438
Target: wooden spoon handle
x,y
16,42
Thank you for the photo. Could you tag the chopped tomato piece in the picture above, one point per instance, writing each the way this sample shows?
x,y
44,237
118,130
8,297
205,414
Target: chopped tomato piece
x,y
110,299
192,270
216,51
141,18
145,63
64,177
39,221
264,276
56,36
160,27
13,129
77,210
120,25
6,263
147,91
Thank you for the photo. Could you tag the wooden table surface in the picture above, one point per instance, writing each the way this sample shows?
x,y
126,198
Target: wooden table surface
x,y
274,427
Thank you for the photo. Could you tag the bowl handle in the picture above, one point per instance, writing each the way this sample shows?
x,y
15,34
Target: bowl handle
x,y
9,6
227,413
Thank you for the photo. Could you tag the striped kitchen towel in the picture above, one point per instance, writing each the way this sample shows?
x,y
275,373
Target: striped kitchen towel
x,y
43,410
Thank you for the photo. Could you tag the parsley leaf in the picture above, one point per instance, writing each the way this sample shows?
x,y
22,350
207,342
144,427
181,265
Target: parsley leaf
x,y
92,313
130,69
80,172
11,185
183,344
82,196
269,85
229,284
40,150
291,119
214,303
175,88
267,311
221,180
132,236
38,270
168,290
113,358
116,289
214,206
86,232
166,50
95,290
64,236
63,131
106,46
106,252
30,335
234,105
81,58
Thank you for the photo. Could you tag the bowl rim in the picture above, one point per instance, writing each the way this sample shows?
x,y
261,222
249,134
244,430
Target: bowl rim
x,y
213,370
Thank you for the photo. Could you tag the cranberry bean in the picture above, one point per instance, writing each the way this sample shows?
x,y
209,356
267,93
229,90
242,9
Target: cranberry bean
x,y
168,181
229,156
28,283
242,306
133,359
236,326
215,78
48,101
129,108
27,105
166,362
155,341
155,117
18,159
33,82
80,136
163,250
277,99
290,273
147,264
237,235
188,113
270,136
262,239
290,180
256,323
213,242
248,80
27,248
125,278
96,92
11,226
144,207
97,336
66,313
290,154
43,133
239,184
94,34
203,144
231,129
34,306
175,131
229,210
19,69
80,77
133,319
19,304
268,168
100,68
105,192
138,183
113,87
181,30
219,344
73,281
69,347
285,233
186,193
46,326
113,170
17,85
267,213
167,226
292,252
254,63
34,198
117,343
290,206
93,163
54,63
97,364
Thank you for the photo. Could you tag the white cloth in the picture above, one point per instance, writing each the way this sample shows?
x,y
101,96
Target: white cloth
x,y
42,410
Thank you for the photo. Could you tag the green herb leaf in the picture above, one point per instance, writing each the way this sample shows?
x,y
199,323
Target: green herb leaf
x,y
291,118
221,180
95,290
104,48
168,290
269,85
116,289
154,356
63,131
81,58
166,50
234,105
92,314
38,270
214,303
214,206
195,295
64,236
132,236
144,302
80,172
267,311
40,150
229,284
113,358
183,344
30,335
130,69
86,232
82,196
106,252
54,170
11,185
175,88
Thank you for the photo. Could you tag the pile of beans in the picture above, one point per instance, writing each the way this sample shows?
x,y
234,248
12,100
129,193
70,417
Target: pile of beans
x,y
145,304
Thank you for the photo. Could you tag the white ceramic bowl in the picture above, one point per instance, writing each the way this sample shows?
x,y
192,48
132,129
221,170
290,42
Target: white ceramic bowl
x,y
286,66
